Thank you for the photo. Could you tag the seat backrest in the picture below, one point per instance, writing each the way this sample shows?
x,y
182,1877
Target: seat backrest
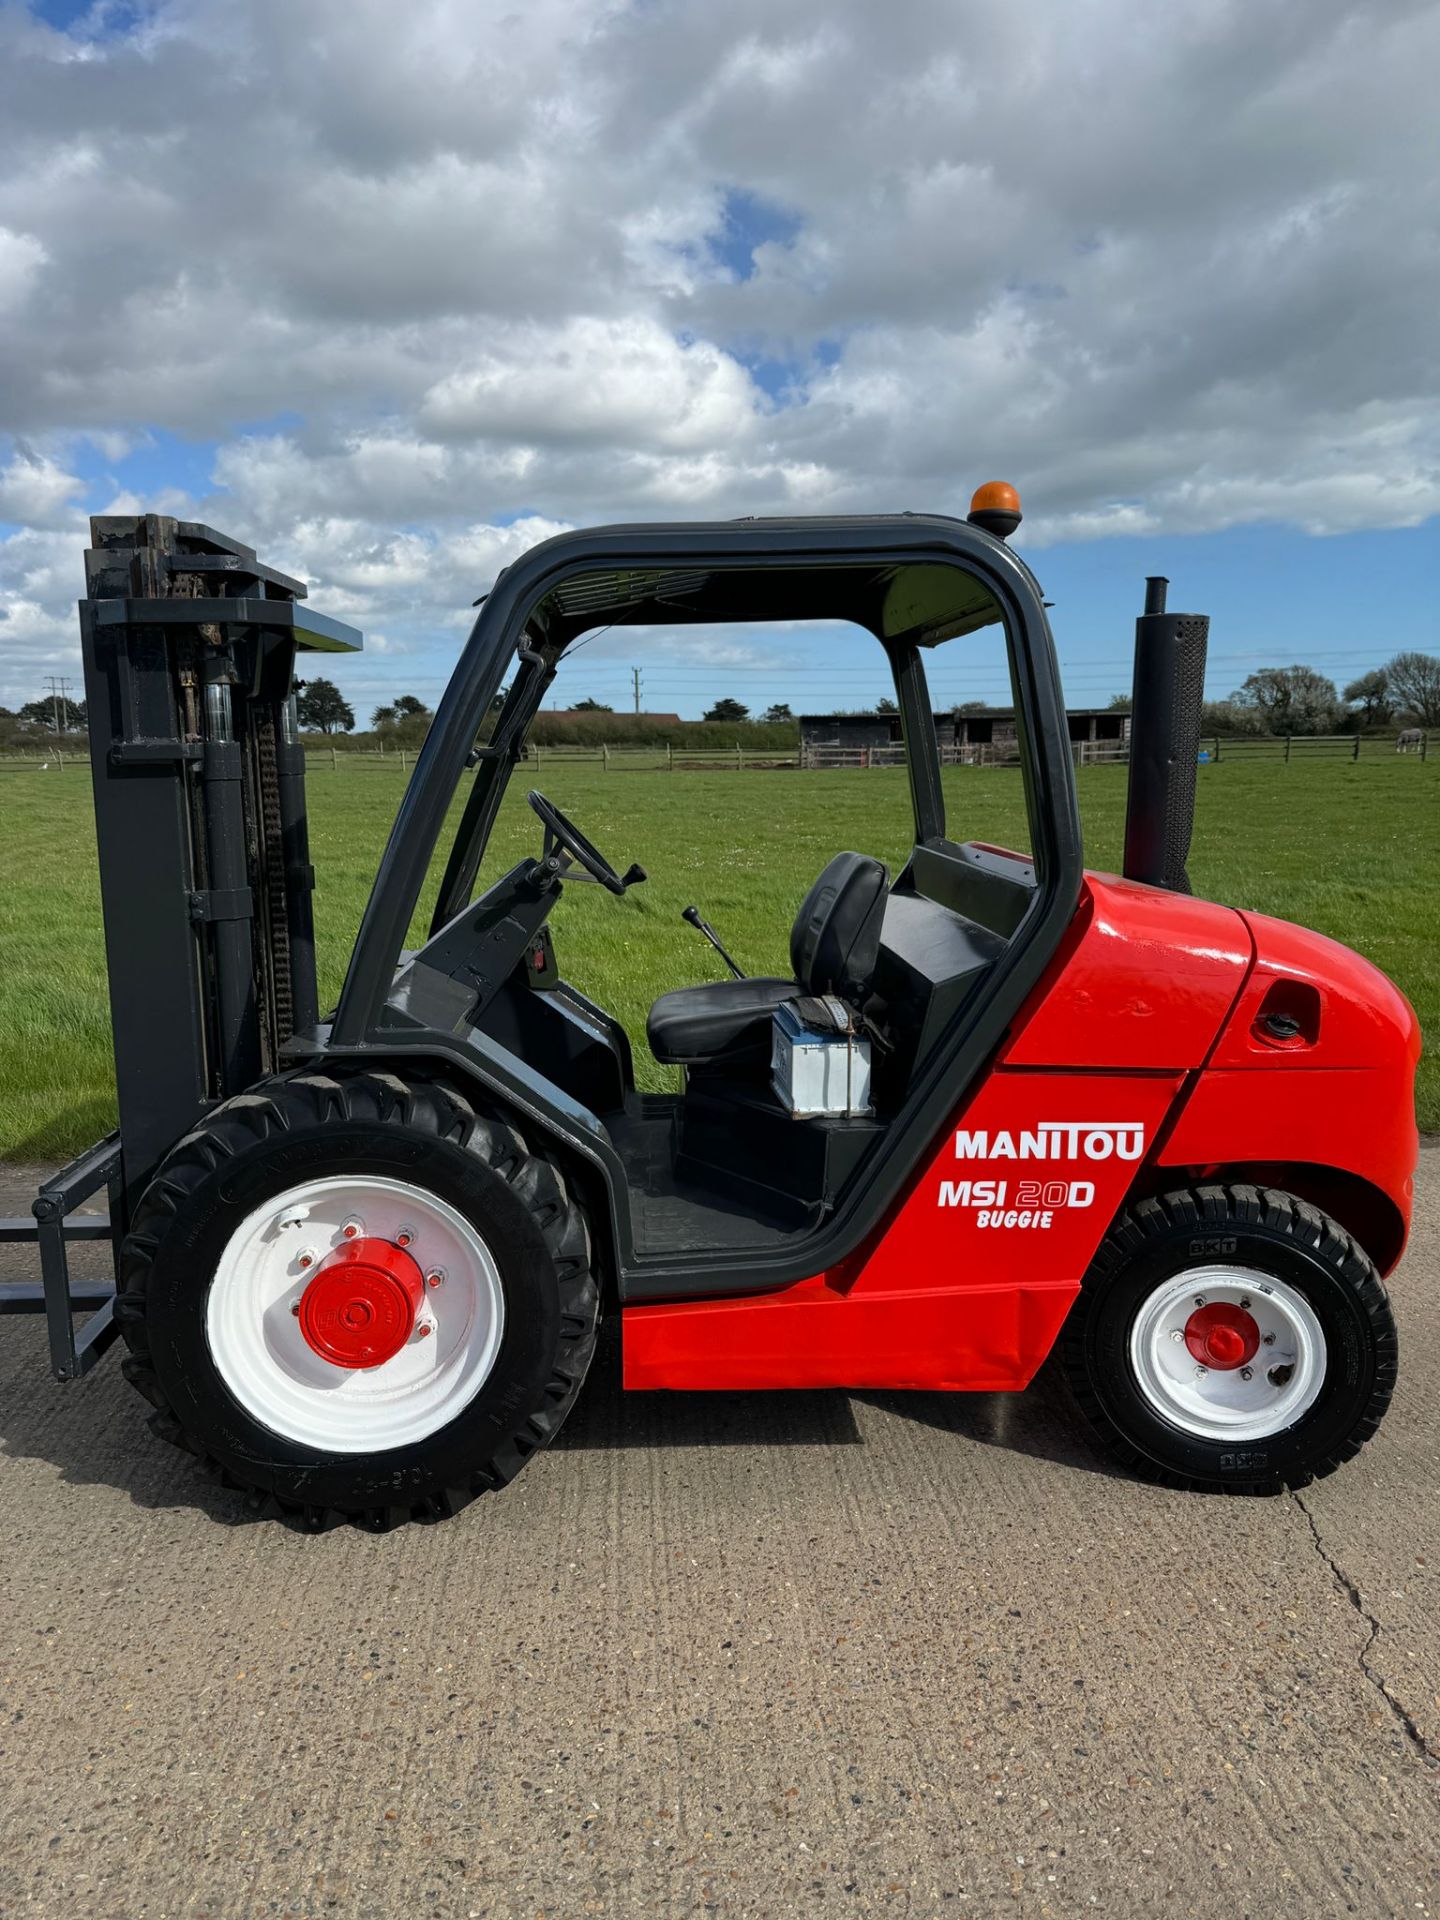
x,y
835,941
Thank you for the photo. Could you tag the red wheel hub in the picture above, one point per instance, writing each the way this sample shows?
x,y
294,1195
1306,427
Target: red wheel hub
x,y
360,1308
1222,1336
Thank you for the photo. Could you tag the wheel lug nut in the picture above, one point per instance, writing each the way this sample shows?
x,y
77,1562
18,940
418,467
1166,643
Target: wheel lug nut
x,y
1244,1306
1199,1299
1268,1338
1200,1372
405,1237
1176,1333
352,1229
424,1330
305,1259
295,1307
1247,1373
435,1277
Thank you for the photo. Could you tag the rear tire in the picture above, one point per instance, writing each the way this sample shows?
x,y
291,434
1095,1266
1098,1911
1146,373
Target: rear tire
x,y
206,1299
1304,1359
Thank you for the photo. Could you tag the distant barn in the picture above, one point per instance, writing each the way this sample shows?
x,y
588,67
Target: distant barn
x,y
873,739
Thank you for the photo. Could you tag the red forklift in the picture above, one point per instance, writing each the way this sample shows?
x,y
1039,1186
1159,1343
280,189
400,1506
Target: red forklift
x,y
998,1103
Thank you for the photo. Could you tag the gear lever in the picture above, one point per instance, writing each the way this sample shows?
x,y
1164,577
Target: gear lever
x,y
692,914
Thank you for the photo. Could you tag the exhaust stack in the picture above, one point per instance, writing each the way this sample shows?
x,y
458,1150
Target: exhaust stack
x,y
1164,740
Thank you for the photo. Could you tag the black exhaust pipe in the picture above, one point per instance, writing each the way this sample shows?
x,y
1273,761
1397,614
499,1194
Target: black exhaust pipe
x,y
1164,740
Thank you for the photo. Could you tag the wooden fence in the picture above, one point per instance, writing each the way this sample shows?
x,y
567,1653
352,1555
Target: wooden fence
x,y
1345,747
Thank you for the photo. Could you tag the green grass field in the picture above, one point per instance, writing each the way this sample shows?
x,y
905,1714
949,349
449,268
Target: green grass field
x,y
1353,851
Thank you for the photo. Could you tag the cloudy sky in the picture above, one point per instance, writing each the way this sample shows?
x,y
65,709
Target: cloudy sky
x,y
392,292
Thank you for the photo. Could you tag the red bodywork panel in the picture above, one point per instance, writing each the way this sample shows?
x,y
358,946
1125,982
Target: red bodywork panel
x,y
954,1293
1142,979
1142,1019
1337,1094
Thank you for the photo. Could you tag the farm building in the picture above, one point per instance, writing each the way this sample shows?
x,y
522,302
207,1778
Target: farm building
x,y
853,738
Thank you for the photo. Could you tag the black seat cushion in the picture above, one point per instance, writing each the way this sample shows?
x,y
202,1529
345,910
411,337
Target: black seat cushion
x,y
731,1017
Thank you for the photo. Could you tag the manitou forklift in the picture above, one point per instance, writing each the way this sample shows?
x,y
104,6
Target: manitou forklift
x,y
997,1101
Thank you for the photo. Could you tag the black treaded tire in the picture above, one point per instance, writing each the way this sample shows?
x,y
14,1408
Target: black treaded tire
x,y
306,1125
1274,1233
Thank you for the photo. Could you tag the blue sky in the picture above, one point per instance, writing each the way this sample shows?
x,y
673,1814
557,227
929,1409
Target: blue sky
x,y
392,317
1342,603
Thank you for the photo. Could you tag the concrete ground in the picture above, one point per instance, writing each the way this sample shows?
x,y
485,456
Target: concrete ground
x,y
756,1654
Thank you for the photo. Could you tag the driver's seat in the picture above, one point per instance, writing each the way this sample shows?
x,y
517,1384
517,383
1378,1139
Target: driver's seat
x,y
834,945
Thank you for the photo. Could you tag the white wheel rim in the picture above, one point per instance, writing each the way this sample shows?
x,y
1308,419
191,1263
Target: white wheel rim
x,y
255,1336
1243,1403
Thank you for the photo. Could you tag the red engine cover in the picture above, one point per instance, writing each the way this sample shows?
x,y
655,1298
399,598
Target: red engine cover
x,y
1316,1068
1142,979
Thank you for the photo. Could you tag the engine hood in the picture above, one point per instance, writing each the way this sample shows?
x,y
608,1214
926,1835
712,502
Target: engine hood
x,y
1312,1003
1143,980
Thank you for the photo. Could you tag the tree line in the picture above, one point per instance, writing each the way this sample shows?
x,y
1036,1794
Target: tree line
x,y
49,718
322,708
1299,700
1273,700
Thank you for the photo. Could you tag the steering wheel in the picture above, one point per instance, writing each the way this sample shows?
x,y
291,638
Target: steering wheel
x,y
569,836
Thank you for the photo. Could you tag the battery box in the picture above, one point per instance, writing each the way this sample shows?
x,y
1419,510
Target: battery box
x,y
820,1060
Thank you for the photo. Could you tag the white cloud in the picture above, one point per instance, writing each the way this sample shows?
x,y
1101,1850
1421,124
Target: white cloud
x,y
21,258
1167,268
623,383
36,491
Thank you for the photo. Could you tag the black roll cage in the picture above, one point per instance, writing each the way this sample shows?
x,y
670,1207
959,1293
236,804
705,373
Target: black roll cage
x,y
504,632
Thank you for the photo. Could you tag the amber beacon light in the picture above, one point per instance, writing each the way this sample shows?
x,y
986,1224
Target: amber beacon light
x,y
996,508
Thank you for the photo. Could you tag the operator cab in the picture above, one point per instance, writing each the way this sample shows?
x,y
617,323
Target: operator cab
x,y
905,964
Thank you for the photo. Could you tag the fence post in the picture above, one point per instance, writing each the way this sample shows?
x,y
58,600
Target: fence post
x,y
334,761
1217,749
669,758
604,757
737,757
1287,749
1356,754
402,759
1424,739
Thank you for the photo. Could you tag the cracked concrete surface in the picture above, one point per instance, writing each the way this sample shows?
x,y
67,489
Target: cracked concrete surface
x,y
757,1654
1356,1599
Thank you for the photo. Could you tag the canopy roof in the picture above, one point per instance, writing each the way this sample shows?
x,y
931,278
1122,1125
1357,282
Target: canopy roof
x,y
922,602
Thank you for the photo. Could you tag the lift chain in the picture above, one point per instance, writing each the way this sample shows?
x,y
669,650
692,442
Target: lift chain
x,y
272,867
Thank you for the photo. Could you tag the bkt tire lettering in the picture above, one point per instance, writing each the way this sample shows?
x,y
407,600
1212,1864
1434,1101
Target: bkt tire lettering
x,y
1054,1140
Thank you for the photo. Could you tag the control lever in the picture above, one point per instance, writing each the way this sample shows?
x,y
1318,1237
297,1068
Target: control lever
x,y
692,914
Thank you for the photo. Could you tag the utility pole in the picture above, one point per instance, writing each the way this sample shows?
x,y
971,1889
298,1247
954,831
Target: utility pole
x,y
635,676
60,701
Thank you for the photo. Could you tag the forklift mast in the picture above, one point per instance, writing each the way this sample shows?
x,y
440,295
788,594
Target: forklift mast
x,y
190,647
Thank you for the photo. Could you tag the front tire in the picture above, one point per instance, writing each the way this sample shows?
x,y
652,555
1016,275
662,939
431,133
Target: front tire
x,y
357,1298
1231,1338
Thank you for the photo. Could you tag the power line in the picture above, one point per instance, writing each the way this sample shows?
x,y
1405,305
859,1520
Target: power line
x,y
60,701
